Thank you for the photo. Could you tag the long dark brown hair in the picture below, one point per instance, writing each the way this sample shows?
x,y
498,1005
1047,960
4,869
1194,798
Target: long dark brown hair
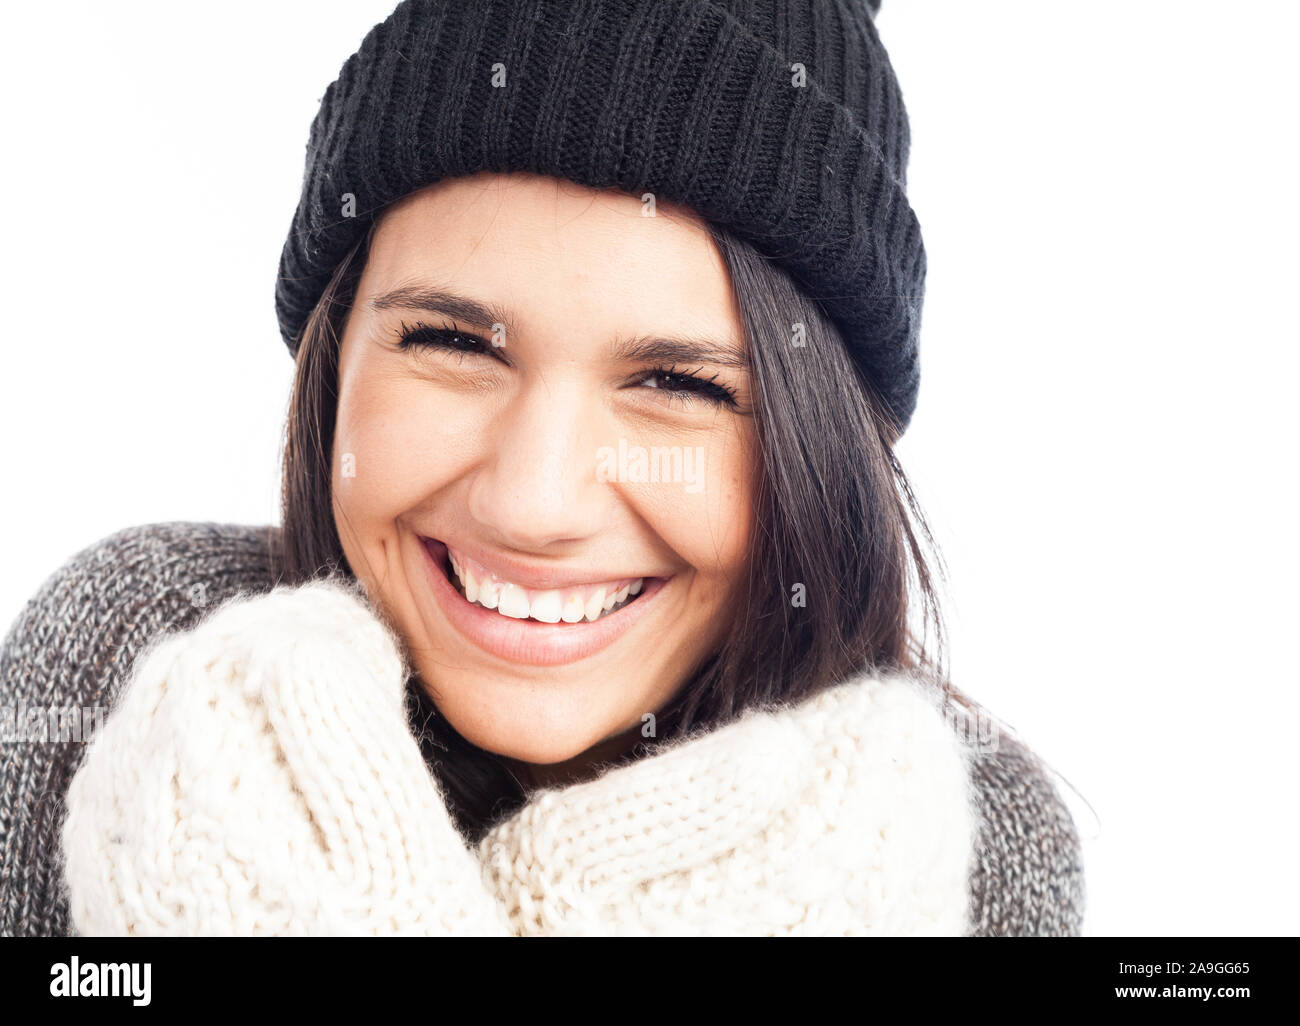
x,y
836,525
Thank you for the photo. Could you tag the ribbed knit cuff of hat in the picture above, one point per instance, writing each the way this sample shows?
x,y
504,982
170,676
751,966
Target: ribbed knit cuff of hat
x,y
781,120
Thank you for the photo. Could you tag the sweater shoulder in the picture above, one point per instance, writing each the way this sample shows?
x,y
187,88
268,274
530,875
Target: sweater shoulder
x,y
1027,873
74,637
72,647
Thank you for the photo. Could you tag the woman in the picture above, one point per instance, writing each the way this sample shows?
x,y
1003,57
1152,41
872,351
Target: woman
x,y
592,606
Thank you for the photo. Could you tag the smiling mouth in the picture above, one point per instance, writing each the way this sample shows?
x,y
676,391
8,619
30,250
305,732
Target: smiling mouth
x,y
574,605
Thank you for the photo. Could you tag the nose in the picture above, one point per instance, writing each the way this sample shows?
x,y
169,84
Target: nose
x,y
536,488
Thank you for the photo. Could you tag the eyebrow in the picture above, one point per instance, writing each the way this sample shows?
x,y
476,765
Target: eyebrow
x,y
671,350
436,300
637,349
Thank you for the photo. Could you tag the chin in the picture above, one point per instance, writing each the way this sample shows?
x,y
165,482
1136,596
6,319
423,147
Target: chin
x,y
539,728
533,750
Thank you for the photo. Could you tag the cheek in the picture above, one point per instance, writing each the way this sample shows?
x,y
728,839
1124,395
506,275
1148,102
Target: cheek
x,y
708,518
394,444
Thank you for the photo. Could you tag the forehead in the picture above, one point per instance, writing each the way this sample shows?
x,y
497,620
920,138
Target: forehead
x,y
545,245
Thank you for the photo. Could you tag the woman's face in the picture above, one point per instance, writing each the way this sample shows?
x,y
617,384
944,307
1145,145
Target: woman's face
x,y
543,462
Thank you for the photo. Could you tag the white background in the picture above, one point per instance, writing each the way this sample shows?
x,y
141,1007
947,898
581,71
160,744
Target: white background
x,y
1105,440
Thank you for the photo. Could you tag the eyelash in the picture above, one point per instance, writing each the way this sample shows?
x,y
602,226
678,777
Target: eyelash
x,y
691,386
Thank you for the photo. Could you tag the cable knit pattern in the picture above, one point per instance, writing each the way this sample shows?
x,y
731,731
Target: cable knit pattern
x,y
326,819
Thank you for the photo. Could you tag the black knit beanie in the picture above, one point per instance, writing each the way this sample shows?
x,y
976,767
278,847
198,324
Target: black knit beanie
x,y
780,120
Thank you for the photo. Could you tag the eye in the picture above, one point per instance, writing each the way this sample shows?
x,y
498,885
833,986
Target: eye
x,y
425,336
689,387
686,387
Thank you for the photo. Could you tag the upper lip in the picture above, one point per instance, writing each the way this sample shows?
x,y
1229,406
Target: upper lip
x,y
507,568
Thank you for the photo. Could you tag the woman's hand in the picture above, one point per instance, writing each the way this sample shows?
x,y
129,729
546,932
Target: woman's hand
x,y
258,776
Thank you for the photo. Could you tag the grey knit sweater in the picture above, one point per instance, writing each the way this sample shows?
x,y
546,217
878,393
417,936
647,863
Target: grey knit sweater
x,y
75,642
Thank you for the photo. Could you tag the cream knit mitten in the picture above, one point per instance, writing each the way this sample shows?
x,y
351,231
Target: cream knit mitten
x,y
258,776
849,814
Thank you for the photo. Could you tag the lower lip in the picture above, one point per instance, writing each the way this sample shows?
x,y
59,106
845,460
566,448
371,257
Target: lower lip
x,y
528,641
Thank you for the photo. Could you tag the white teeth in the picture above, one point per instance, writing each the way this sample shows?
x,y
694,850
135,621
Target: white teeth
x,y
513,602
574,610
545,606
